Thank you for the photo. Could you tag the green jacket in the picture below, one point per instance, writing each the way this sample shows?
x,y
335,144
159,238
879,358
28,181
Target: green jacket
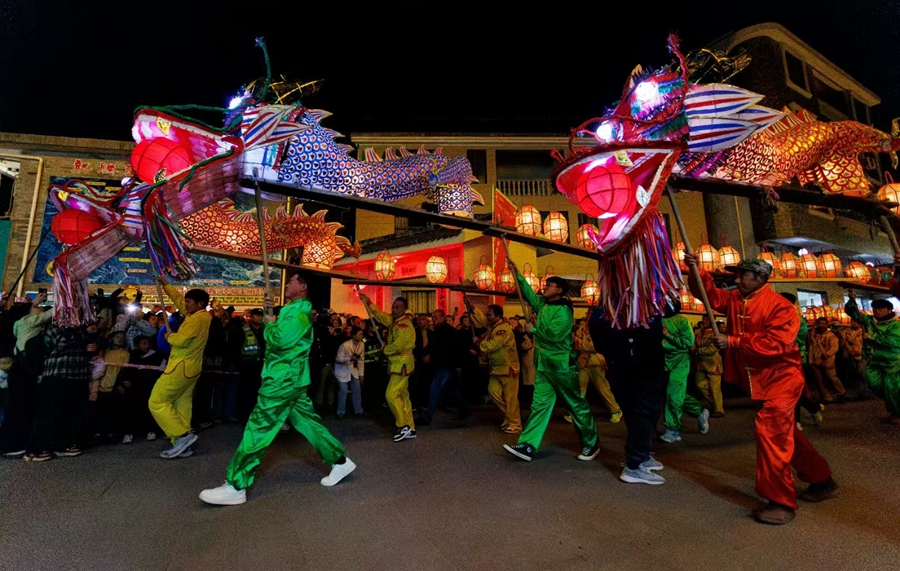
x,y
678,339
882,339
288,341
802,336
554,347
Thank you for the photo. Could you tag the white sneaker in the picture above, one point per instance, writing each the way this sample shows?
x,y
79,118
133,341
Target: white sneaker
x,y
181,444
703,421
151,436
339,472
671,436
128,439
224,495
641,476
285,427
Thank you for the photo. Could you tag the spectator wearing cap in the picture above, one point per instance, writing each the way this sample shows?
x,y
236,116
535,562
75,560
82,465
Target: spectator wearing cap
x,y
882,346
761,354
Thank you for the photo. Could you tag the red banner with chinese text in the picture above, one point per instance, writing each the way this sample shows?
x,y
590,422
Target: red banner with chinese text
x,y
504,215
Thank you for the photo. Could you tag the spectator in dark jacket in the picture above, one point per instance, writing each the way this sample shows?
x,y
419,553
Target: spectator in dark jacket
x,y
444,352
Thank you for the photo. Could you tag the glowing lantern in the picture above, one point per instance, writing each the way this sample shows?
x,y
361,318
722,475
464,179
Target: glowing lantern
x,y
808,266
528,221
590,291
773,261
728,256
484,276
436,270
697,304
532,279
828,265
859,271
678,256
687,300
384,266
507,281
841,316
317,255
788,265
885,273
72,226
156,159
583,236
890,192
708,256
556,228
603,190
548,273
811,313
828,313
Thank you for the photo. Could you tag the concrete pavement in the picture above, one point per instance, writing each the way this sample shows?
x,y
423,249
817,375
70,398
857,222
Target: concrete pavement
x,y
454,500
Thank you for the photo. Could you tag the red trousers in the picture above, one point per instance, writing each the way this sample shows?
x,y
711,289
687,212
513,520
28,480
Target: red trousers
x,y
779,446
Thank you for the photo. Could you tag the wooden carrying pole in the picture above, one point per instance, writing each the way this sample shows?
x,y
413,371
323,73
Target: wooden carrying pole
x,y
260,219
695,271
159,292
525,312
371,319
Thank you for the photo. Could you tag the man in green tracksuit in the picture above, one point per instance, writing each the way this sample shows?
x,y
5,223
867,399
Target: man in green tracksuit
x,y
283,395
882,347
678,338
556,369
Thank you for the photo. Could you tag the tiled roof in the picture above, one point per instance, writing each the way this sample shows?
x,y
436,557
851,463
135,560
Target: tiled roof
x,y
409,238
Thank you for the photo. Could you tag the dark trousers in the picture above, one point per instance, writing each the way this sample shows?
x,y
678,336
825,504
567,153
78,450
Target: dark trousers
x,y
21,407
135,417
640,393
201,412
108,415
444,381
60,410
374,387
248,388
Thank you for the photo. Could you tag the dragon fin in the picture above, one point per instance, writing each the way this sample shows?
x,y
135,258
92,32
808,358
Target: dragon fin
x,y
372,156
422,150
389,154
404,152
438,151
318,114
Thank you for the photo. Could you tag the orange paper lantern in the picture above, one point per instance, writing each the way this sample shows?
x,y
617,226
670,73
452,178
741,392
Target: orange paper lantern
x,y
828,265
841,316
384,266
556,227
811,313
532,279
890,192
678,256
773,261
590,291
708,256
828,313
808,266
484,275
789,265
583,236
528,221
687,300
436,270
507,281
859,271
728,256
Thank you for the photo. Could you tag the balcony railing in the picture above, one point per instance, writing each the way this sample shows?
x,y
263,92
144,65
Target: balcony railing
x,y
540,187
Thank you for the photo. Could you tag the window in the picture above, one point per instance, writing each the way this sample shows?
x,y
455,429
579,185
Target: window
x,y
478,160
863,303
830,94
805,298
585,219
796,71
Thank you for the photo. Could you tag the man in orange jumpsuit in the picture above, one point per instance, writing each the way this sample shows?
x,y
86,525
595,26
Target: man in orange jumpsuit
x,y
823,346
761,354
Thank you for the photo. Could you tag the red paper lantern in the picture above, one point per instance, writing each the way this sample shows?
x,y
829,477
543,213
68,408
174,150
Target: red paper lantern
x,y
707,255
773,261
812,313
532,279
603,190
436,270
155,159
72,226
678,256
556,227
528,221
384,266
808,267
841,316
583,236
890,192
728,256
788,265
590,291
507,281
548,273
484,276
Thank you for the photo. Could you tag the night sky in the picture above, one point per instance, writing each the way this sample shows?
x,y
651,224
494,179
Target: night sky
x,y
79,68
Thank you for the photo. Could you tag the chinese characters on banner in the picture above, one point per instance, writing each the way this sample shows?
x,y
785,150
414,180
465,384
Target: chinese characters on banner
x,y
504,215
105,168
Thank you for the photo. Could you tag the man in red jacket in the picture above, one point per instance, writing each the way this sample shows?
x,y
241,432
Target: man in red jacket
x,y
761,354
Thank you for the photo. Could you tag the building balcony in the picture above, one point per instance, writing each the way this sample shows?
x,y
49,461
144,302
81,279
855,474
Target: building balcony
x,y
535,187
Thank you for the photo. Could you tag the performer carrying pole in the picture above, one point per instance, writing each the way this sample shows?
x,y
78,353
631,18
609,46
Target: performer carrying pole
x,y
282,396
557,372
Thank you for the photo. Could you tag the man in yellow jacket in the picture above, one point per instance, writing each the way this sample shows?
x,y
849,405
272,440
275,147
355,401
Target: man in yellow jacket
x,y
172,396
499,346
399,351
592,370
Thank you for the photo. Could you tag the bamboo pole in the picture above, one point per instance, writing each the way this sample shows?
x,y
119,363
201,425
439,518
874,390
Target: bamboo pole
x,y
695,271
525,312
260,219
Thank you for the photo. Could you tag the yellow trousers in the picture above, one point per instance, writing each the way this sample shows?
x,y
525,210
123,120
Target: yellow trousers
x,y
504,391
397,397
597,377
710,386
172,400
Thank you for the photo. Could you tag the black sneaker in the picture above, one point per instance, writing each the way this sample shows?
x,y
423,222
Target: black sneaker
x,y
70,451
40,457
404,433
589,452
523,451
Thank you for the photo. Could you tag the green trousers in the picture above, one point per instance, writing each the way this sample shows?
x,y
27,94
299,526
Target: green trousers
x,y
279,400
678,401
885,383
547,385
